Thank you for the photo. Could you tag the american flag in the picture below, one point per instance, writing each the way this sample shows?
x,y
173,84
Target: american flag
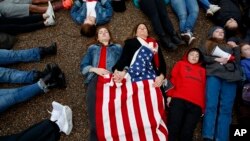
x,y
133,111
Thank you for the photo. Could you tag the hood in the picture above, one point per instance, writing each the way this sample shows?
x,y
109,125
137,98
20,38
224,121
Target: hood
x,y
185,56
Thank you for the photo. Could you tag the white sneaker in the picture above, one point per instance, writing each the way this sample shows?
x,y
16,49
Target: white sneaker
x,y
57,111
50,10
191,40
209,13
50,21
214,8
65,120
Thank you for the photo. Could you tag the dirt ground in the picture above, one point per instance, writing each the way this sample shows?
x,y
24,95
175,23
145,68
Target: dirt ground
x,y
71,48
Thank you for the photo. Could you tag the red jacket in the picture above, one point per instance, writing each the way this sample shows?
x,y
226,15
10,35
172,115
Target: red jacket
x,y
189,82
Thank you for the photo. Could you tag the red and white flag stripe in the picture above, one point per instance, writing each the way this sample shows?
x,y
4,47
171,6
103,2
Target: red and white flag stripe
x,y
131,112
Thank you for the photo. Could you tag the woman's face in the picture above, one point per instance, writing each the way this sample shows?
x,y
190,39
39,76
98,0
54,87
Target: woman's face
x,y
218,34
103,35
193,57
231,24
245,51
142,31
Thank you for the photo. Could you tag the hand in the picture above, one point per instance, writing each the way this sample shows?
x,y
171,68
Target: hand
x,y
232,43
158,81
99,71
118,76
168,101
221,60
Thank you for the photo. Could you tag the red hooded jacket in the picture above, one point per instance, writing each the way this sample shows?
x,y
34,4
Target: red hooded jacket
x,y
189,82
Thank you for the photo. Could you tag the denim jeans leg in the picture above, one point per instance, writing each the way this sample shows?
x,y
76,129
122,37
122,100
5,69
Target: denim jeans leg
x,y
213,85
179,7
204,4
9,97
228,93
15,76
15,56
193,11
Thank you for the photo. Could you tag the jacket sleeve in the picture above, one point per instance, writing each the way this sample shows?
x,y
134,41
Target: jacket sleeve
x,y
107,11
76,12
236,53
174,78
86,62
208,59
126,57
162,68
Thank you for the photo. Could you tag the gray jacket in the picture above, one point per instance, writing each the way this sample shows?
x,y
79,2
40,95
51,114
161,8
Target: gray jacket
x,y
231,71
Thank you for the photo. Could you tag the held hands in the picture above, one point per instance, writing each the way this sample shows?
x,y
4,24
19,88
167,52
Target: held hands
x,y
221,60
168,101
99,71
158,81
118,76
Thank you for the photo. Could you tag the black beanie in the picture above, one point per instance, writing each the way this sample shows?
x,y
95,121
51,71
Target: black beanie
x,y
211,31
119,5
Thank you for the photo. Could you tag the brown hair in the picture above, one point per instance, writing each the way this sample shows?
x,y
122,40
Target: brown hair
x,y
133,34
211,43
88,30
95,41
241,45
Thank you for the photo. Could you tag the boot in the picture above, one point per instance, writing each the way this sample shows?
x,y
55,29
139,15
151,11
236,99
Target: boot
x,y
167,44
177,39
48,69
51,50
55,78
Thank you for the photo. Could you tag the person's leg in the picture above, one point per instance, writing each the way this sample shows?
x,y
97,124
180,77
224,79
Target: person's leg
x,y
204,4
15,56
15,76
91,98
39,1
23,20
175,118
9,97
193,11
228,93
191,120
15,29
213,85
179,8
27,55
45,130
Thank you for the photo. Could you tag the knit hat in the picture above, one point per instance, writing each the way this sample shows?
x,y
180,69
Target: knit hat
x,y
119,5
7,41
211,31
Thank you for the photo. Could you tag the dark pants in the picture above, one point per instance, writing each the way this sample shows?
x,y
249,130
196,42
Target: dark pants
x,y
183,117
45,130
91,99
21,25
155,10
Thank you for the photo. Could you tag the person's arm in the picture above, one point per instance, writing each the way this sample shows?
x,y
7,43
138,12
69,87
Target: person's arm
x,y
77,10
208,59
162,67
86,62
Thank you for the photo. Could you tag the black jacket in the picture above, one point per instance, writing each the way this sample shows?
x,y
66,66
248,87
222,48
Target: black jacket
x,y
129,49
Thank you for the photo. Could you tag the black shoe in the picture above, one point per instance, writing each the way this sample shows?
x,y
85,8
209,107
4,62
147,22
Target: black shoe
x,y
177,40
51,50
167,44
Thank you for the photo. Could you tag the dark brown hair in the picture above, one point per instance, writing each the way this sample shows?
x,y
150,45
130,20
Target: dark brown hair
x,y
133,34
211,43
88,30
95,41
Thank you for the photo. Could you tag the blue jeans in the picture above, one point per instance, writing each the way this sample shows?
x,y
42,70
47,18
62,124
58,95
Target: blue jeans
x,y
204,4
15,76
187,12
9,97
220,96
15,56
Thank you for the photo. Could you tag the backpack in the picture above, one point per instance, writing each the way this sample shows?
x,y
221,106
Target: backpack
x,y
246,94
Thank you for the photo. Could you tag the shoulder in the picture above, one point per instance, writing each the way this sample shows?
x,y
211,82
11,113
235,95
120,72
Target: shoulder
x,y
93,47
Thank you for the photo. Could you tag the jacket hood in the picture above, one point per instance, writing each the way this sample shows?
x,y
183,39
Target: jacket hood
x,y
185,56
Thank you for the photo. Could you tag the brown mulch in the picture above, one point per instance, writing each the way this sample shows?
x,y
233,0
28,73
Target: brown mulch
x,y
71,48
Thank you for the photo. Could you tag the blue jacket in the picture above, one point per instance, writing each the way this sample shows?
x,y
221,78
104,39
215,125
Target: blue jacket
x,y
103,9
92,57
245,64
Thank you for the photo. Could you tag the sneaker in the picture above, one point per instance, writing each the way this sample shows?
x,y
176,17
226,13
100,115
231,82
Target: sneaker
x,y
57,111
50,10
51,50
209,13
65,120
50,21
188,37
214,8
